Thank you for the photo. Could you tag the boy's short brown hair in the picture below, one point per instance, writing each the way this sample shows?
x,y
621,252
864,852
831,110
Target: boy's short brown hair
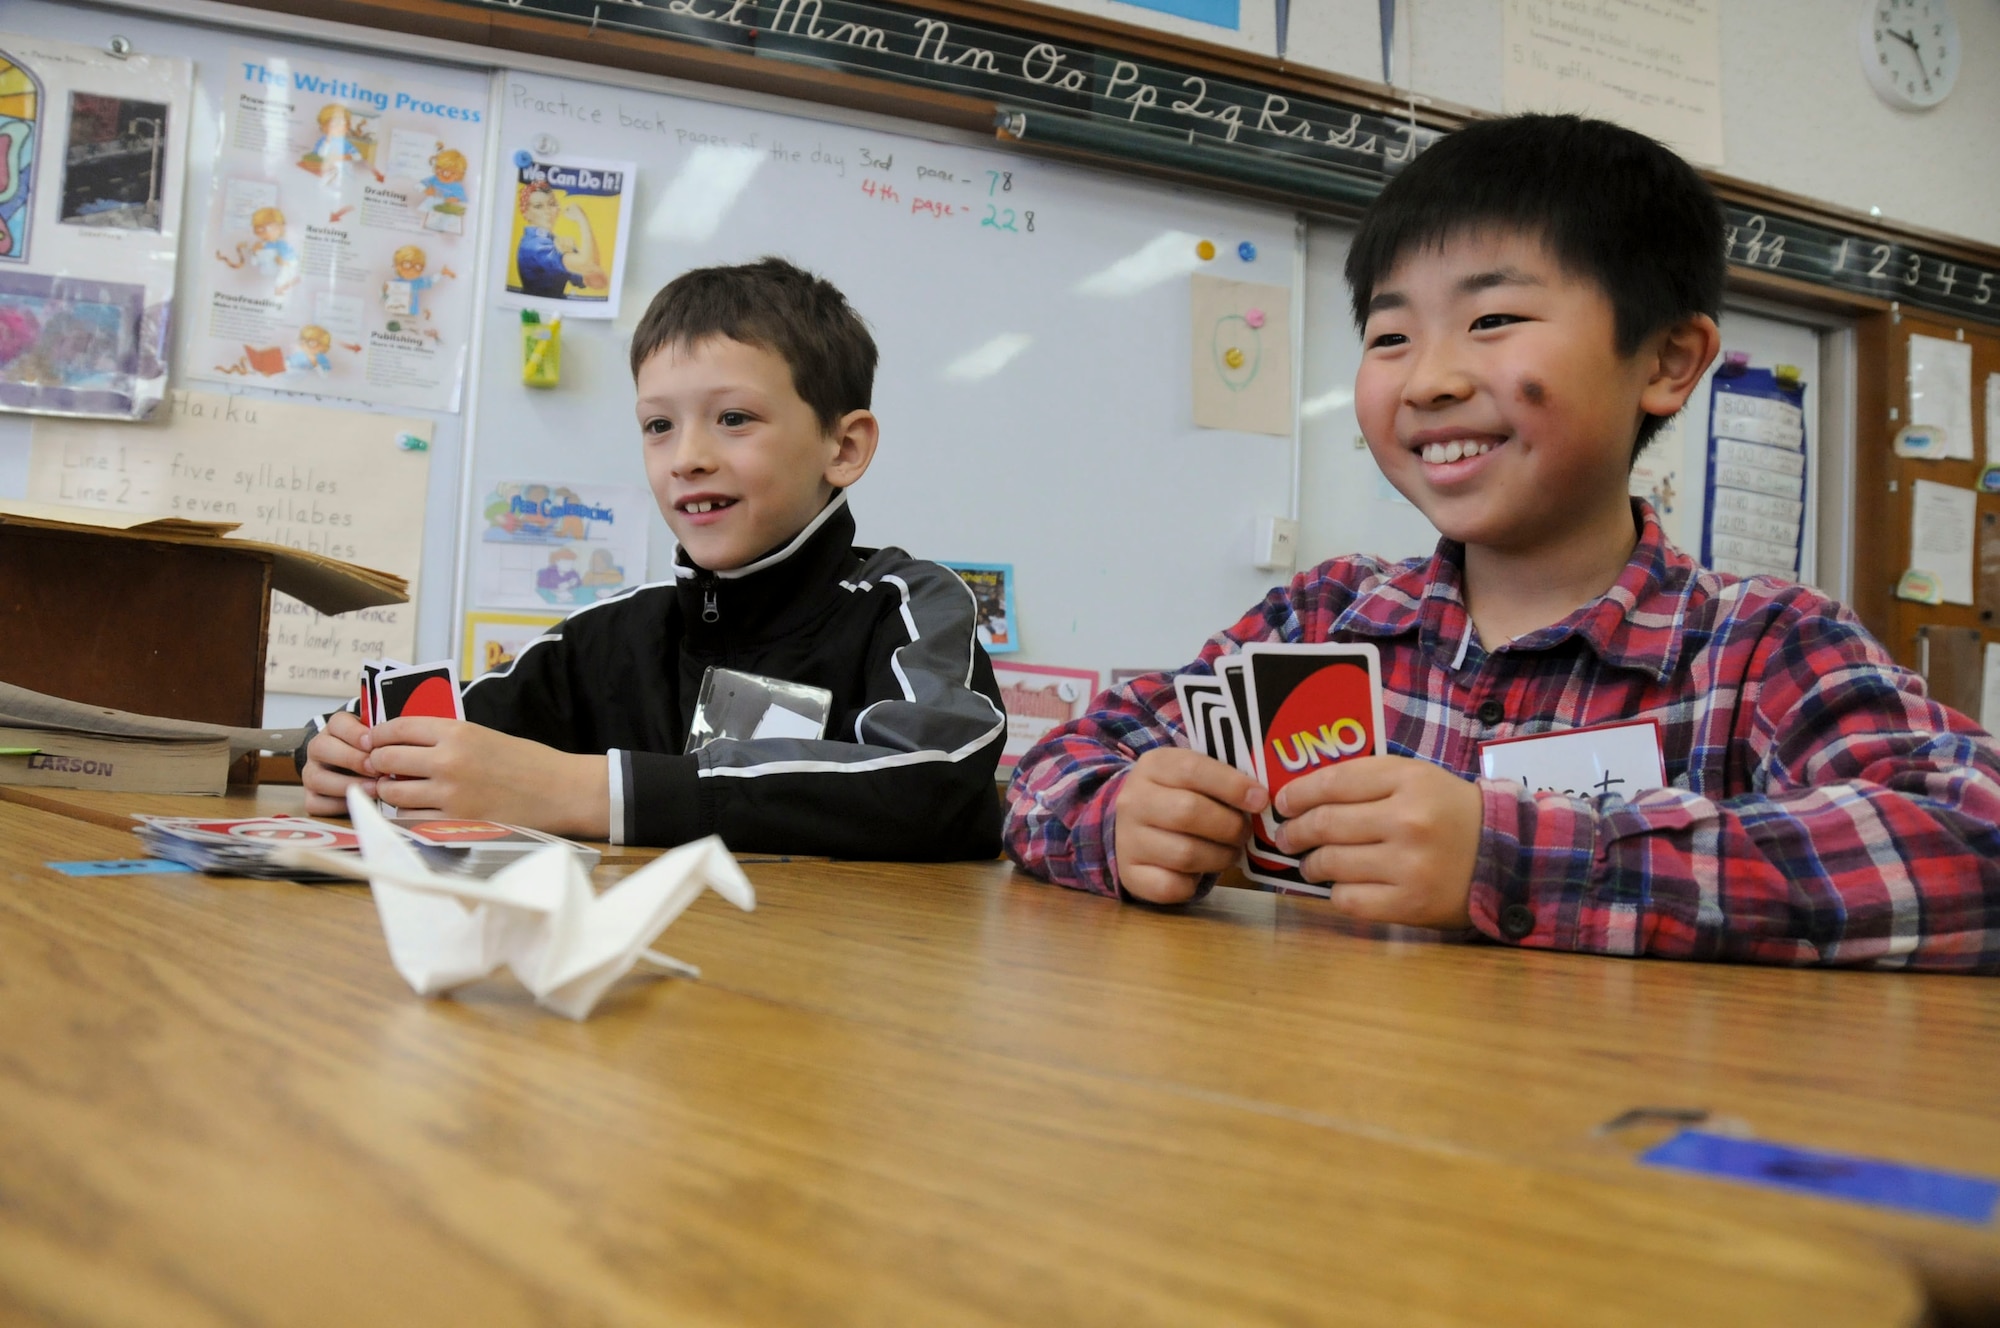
x,y
801,318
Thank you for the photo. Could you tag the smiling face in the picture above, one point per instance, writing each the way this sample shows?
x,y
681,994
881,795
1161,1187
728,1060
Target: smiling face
x,y
1494,398
409,266
737,460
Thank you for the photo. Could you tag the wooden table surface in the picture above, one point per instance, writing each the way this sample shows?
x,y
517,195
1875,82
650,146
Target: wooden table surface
x,y
930,1094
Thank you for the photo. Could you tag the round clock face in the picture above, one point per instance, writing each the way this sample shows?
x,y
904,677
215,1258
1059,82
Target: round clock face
x,y
1909,49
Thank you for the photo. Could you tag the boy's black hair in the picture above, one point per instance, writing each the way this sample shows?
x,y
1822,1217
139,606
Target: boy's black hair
x,y
771,303
1611,205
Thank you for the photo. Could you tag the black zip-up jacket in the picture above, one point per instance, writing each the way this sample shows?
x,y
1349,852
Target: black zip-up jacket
x,y
906,769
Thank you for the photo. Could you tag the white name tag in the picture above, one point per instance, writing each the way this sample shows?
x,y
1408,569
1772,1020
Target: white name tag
x,y
1622,758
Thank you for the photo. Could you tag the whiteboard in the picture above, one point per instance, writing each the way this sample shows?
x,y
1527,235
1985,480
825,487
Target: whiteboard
x,y
1034,385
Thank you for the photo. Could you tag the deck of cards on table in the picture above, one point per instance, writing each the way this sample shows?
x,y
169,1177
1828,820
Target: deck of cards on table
x,y
391,689
258,845
1278,712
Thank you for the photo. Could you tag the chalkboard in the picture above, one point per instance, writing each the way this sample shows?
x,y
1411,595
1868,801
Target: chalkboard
x,y
1034,325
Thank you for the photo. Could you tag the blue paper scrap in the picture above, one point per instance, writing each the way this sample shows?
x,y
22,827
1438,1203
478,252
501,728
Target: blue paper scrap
x,y
1830,1175
1222,13
119,867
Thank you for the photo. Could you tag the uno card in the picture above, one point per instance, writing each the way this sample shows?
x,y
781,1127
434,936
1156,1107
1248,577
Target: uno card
x,y
427,689
370,669
1215,729
1229,668
1189,688
1311,706
301,831
445,833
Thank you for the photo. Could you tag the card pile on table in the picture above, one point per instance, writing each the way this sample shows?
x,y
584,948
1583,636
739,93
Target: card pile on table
x,y
1278,712
255,846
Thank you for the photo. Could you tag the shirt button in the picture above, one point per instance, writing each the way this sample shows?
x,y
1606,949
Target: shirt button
x,y
1491,712
1516,921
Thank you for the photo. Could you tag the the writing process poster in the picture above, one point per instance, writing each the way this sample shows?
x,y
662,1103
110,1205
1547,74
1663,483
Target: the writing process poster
x,y
341,483
566,249
91,167
550,545
341,234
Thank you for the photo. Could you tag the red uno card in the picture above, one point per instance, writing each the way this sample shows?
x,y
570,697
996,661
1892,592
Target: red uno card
x,y
1311,706
427,689
454,834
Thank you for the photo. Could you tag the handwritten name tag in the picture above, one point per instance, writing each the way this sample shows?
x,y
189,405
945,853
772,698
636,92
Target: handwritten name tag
x,y
1622,758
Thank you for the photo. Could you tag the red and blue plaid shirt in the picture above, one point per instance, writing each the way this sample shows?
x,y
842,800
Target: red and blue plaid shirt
x,y
1820,808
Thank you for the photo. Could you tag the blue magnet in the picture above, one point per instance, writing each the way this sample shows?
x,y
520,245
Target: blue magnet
x,y
1247,252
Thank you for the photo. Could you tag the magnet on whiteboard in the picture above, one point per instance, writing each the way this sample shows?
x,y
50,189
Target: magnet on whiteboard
x,y
1247,252
1254,317
1205,250
1233,357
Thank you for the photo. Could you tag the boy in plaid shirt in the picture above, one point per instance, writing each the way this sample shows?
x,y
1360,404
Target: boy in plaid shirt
x,y
1536,297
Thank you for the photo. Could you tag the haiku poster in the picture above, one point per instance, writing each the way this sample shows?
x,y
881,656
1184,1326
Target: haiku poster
x,y
342,483
341,235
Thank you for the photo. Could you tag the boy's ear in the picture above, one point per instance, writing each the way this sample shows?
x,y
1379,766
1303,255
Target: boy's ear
x,y
853,437
1683,354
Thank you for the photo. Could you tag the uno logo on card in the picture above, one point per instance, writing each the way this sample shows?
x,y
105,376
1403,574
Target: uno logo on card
x,y
279,831
1324,720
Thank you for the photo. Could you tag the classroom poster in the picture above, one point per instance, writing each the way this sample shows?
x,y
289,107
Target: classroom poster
x,y
91,169
551,545
495,640
1038,698
341,235
1754,518
1656,477
1242,348
566,249
346,484
992,587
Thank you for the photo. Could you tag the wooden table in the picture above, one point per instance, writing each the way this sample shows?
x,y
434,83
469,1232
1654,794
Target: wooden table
x,y
911,1094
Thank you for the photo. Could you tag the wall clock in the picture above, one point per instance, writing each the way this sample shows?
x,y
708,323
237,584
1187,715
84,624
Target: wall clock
x,y
1910,51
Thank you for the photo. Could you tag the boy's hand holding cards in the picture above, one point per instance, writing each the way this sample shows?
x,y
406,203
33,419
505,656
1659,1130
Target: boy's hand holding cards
x,y
391,690
1279,713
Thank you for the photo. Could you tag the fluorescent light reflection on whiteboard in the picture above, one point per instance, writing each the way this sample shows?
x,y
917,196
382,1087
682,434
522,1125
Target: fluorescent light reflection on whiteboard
x,y
989,359
1340,398
700,196
1162,259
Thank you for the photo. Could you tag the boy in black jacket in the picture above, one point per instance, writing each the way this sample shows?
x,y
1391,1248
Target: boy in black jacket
x,y
753,390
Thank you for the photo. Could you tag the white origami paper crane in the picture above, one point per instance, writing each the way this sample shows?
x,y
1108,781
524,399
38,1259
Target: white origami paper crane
x,y
537,917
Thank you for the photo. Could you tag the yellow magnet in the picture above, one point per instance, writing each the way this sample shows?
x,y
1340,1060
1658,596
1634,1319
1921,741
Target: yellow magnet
x,y
1233,358
1205,250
